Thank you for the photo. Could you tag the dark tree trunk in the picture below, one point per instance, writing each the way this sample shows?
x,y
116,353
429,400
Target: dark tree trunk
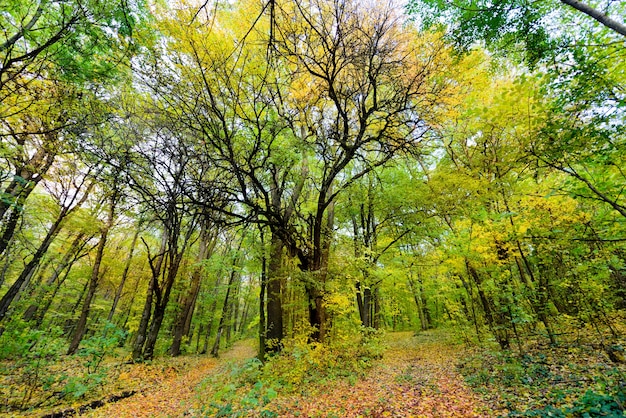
x,y
81,325
262,321
69,258
161,305
41,312
494,320
226,307
212,312
183,319
233,311
317,266
120,288
175,257
245,311
155,268
24,182
274,322
364,302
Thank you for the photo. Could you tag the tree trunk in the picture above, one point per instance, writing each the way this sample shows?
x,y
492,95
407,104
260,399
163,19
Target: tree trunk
x,y
120,288
183,319
41,312
212,311
69,258
494,320
24,182
245,311
419,303
81,325
225,309
262,323
32,265
155,268
612,24
233,311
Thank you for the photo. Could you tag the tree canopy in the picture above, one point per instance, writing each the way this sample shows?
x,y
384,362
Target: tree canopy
x,y
177,175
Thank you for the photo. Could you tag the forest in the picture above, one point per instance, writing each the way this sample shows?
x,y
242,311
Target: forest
x,y
319,208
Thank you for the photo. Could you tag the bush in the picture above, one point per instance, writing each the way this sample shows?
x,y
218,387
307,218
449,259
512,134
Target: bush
x,y
248,389
29,357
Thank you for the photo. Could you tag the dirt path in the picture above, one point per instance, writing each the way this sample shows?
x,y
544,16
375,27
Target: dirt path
x,y
170,394
416,378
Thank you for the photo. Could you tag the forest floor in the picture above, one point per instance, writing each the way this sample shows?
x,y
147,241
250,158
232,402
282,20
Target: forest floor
x,y
416,377
170,394
426,375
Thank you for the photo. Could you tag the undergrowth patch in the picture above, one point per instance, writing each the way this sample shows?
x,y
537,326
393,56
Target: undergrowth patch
x,y
248,388
571,379
34,371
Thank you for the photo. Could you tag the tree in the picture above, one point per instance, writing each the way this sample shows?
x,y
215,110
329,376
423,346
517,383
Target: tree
x,y
380,217
113,198
50,53
71,193
506,25
208,239
359,84
581,72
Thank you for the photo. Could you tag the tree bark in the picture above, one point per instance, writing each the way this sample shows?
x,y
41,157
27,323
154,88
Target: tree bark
x,y
175,257
597,15
120,288
225,309
183,319
81,325
274,327
155,268
29,174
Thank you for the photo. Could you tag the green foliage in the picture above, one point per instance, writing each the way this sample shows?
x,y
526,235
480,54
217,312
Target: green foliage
x,y
504,24
345,356
83,39
94,348
29,357
565,382
35,371
238,392
591,404
248,388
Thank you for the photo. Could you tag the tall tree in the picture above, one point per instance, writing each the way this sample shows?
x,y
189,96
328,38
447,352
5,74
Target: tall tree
x,y
71,193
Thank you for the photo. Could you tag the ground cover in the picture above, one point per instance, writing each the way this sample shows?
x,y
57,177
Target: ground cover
x,y
431,374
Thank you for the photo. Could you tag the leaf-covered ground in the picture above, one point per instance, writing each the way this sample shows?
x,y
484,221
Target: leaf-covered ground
x,y
416,377
583,375
167,391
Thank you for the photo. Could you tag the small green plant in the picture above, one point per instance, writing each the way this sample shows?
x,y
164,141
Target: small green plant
x,y
591,404
239,392
92,353
567,381
30,356
95,348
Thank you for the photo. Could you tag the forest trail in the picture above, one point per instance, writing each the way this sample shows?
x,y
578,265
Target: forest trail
x,y
170,394
415,378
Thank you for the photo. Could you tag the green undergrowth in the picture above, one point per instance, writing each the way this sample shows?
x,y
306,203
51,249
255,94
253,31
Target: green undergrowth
x,y
248,388
35,372
569,379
